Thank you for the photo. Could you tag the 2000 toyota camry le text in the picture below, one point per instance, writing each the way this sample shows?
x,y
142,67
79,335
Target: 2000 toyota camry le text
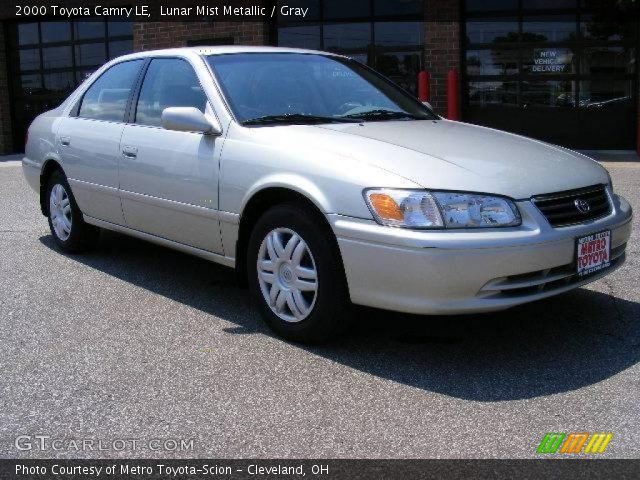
x,y
323,184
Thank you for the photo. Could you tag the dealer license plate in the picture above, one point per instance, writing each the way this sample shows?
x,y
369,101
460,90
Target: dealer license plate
x,y
593,253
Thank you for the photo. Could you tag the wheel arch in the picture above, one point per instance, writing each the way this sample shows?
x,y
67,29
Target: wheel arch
x,y
261,201
48,167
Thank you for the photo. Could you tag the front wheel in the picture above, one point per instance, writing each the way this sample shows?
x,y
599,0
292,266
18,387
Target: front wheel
x,y
69,230
295,275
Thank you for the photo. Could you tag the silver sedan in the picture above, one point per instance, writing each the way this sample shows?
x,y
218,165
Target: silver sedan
x,y
323,184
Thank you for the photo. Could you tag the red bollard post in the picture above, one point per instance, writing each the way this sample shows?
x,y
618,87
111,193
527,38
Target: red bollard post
x,y
453,104
424,86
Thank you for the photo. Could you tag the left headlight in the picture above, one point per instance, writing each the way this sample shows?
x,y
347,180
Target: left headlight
x,y
429,209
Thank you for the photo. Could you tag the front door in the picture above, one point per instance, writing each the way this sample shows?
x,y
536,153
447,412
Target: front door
x,y
169,179
89,142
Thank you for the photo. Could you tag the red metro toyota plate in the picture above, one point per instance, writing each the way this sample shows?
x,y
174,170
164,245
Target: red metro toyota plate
x,y
593,253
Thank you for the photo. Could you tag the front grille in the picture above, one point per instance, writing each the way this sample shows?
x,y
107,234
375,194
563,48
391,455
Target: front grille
x,y
561,208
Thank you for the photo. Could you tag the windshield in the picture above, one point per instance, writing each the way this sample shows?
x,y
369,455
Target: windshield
x,y
267,88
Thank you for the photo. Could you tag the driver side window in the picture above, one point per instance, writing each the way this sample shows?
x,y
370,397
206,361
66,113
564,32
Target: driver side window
x,y
168,82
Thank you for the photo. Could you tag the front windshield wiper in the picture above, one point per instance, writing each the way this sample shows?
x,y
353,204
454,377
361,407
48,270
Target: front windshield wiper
x,y
382,114
293,118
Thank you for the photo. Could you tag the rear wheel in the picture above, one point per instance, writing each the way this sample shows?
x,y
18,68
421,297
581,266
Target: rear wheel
x,y
69,230
295,275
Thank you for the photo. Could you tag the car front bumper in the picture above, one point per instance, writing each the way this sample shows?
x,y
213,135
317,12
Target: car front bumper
x,y
468,271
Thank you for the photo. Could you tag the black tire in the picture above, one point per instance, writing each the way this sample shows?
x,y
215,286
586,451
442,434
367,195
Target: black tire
x,y
329,314
82,236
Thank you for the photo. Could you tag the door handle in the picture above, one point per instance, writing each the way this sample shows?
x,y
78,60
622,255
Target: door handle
x,y
129,151
65,141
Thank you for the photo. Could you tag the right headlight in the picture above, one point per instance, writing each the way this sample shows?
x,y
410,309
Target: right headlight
x,y
432,209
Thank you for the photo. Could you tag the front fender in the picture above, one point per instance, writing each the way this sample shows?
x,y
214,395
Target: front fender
x,y
298,158
289,181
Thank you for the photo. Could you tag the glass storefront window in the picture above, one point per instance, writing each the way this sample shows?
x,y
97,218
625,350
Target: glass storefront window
x,y
599,28
88,30
490,5
119,28
499,30
608,60
57,57
398,7
300,37
91,54
347,36
550,93
547,4
339,9
28,33
30,84
529,66
62,82
29,59
483,94
120,47
50,58
551,28
55,31
401,67
388,35
80,52
492,62
604,94
394,34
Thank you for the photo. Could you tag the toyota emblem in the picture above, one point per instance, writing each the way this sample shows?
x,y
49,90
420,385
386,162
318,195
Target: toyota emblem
x,y
582,205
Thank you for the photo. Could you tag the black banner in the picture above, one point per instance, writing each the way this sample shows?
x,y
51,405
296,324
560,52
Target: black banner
x,y
317,469
291,11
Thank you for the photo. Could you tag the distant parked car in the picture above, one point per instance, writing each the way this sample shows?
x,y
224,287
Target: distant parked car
x,y
322,183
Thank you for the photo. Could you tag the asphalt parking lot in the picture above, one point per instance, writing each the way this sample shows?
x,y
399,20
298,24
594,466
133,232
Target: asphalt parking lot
x,y
135,341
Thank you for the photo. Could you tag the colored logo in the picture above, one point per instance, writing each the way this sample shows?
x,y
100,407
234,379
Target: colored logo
x,y
582,205
574,443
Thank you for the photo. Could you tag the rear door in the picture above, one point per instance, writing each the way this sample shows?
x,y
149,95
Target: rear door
x,y
169,179
89,141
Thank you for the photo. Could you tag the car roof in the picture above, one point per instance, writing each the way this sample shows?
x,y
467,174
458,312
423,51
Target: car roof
x,y
220,50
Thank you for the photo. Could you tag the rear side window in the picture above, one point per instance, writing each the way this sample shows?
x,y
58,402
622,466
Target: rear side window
x,y
107,98
169,82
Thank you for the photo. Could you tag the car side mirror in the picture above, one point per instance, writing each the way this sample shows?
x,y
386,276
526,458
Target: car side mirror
x,y
428,105
188,119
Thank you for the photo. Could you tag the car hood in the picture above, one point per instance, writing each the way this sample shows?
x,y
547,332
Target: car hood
x,y
458,156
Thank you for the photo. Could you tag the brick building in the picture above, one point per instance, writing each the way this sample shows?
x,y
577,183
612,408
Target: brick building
x,y
564,71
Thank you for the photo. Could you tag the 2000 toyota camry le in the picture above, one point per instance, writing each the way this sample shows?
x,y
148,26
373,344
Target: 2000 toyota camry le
x,y
323,184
